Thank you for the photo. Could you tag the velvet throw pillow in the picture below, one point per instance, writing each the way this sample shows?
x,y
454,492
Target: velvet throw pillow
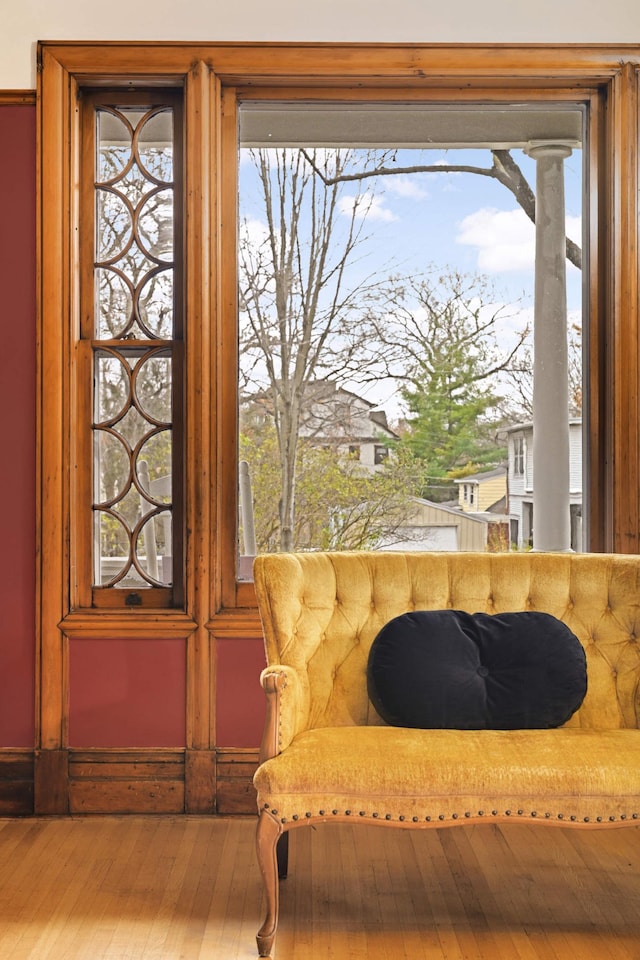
x,y
447,668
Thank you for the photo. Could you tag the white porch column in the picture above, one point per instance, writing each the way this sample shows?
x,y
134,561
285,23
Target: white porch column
x,y
551,515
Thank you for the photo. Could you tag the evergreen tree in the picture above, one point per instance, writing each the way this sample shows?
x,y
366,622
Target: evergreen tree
x,y
448,334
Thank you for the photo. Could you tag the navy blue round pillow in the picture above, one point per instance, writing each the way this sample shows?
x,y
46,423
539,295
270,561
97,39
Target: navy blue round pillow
x,y
447,668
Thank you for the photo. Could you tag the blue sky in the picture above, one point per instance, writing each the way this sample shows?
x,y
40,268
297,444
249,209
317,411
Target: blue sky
x,y
463,221
468,221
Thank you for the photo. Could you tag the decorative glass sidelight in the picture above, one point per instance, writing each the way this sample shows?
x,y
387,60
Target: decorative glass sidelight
x,y
134,347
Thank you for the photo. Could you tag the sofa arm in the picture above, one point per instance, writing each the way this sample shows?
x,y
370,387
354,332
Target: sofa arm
x,y
286,712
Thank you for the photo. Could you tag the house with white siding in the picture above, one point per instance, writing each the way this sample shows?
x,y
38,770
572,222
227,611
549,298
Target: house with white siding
x,y
521,480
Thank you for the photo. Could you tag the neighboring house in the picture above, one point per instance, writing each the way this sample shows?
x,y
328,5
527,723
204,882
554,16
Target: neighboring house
x,y
480,492
520,452
348,423
436,526
337,418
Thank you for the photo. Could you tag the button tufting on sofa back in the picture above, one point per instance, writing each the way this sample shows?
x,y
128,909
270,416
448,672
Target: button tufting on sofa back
x,y
322,611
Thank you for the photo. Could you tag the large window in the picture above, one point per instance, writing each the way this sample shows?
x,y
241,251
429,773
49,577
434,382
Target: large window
x,y
393,277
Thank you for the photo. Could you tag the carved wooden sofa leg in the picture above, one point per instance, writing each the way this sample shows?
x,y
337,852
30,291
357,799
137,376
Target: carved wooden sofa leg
x,y
268,834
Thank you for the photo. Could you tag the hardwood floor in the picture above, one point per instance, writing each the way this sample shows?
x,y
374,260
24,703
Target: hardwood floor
x,y
187,888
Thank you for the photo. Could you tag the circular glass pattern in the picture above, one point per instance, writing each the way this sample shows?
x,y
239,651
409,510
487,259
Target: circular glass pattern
x,y
114,146
114,467
155,304
151,551
155,225
153,467
153,388
114,542
115,227
112,387
155,147
115,303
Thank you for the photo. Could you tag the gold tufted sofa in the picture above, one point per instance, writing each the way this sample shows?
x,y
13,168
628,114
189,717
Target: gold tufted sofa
x,y
327,755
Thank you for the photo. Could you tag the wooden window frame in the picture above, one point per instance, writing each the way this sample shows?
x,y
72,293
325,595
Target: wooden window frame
x,y
87,593
214,78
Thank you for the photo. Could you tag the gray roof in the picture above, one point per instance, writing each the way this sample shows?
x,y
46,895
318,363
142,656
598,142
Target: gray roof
x,y
486,475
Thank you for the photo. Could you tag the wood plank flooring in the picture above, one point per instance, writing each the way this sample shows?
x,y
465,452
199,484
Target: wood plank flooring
x,y
187,888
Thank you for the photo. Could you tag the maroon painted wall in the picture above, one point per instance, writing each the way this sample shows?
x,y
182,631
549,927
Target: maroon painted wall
x,y
18,432
240,700
127,693
121,693
131,693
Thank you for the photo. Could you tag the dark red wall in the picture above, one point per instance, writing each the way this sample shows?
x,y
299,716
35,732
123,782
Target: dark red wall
x,y
240,700
18,432
121,693
131,693
127,693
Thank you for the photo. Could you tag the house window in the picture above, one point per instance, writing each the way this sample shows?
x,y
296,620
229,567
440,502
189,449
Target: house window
x,y
518,456
380,454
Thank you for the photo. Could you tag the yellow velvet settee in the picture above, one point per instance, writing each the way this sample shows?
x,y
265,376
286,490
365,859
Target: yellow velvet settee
x,y
327,755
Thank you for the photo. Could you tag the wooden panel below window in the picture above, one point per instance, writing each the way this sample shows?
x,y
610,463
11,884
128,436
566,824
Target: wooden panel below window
x,y
133,781
200,781
235,792
16,783
136,781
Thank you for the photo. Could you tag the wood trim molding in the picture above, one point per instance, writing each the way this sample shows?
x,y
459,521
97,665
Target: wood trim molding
x,y
141,781
129,781
214,77
369,63
163,625
235,793
200,781
51,783
55,309
126,781
624,330
16,782
201,110
26,98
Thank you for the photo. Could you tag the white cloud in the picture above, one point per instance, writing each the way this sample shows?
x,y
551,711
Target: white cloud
x,y
505,239
253,231
368,206
405,187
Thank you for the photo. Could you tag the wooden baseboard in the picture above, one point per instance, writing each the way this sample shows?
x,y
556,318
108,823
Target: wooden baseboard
x,y
126,781
137,781
235,792
200,781
16,782
51,783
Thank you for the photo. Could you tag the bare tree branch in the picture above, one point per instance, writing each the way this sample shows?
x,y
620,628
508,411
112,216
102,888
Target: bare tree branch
x,y
504,169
